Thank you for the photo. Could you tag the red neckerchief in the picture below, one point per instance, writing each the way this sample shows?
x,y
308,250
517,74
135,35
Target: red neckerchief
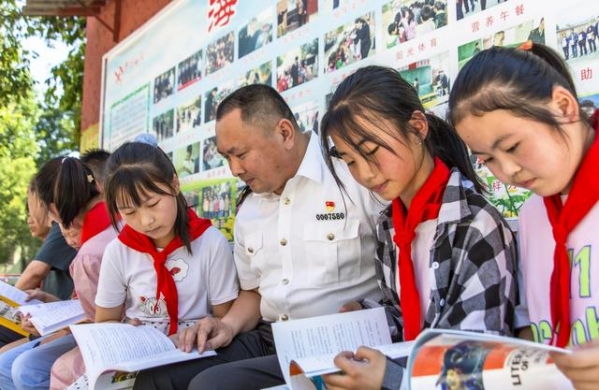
x,y
165,282
95,221
425,205
583,196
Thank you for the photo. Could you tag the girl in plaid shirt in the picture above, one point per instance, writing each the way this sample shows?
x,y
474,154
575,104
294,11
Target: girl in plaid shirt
x,y
446,257
518,111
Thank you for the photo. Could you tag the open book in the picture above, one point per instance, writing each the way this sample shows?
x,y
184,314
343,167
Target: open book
x,y
109,349
10,299
448,359
52,316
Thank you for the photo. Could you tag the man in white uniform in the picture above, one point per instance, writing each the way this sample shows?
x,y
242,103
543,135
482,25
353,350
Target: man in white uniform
x,y
303,246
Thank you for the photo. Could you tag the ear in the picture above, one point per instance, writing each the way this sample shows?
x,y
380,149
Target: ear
x,y
176,185
565,105
419,125
286,132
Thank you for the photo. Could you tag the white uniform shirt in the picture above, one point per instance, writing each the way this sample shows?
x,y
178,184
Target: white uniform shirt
x,y
311,249
204,279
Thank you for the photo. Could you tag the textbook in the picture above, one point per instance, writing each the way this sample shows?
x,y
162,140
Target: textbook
x,y
10,299
52,316
450,359
114,352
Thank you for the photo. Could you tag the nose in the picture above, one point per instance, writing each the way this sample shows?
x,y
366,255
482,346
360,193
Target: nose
x,y
235,167
363,171
509,167
147,219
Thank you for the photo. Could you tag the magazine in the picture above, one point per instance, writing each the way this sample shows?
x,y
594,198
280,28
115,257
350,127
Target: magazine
x,y
443,359
114,352
52,316
10,299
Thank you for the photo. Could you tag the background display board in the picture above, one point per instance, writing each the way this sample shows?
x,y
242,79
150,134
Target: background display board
x,y
169,76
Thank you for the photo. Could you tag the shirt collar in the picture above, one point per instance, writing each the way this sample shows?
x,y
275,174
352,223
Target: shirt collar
x,y
455,206
313,164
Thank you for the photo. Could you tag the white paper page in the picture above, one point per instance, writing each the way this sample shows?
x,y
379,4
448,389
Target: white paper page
x,y
396,350
53,316
329,334
15,295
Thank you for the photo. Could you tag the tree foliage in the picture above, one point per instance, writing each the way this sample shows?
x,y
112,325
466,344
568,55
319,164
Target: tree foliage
x,y
33,129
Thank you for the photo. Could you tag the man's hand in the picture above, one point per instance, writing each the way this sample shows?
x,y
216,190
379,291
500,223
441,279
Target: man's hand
x,y
207,333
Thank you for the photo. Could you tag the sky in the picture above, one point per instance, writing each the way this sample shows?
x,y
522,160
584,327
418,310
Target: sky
x,y
47,57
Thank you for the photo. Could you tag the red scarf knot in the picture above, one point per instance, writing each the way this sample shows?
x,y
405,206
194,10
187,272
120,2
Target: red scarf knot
x,y
583,195
425,206
165,284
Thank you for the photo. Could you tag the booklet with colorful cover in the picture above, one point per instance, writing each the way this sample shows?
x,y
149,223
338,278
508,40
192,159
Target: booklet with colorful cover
x,y
442,359
10,299
114,352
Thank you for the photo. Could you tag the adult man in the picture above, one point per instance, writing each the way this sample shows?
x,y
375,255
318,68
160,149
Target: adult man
x,y
303,246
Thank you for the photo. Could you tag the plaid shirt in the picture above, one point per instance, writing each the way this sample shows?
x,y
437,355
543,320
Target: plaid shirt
x,y
473,259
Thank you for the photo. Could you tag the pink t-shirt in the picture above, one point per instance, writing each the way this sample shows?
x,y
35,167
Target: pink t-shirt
x,y
537,246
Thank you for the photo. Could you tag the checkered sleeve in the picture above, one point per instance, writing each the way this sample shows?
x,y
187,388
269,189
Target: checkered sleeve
x,y
475,280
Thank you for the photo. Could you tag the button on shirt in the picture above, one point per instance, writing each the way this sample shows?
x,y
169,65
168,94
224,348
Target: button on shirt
x,y
311,249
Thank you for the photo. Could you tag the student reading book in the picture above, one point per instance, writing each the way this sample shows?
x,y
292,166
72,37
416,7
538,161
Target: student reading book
x,y
53,316
517,109
168,268
446,257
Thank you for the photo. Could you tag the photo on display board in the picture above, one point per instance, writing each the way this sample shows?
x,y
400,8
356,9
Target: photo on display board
x,y
189,70
259,75
211,158
214,200
577,34
164,85
163,125
331,5
430,79
511,37
256,33
220,53
589,104
465,8
306,116
349,43
187,160
293,14
189,115
213,97
297,66
404,20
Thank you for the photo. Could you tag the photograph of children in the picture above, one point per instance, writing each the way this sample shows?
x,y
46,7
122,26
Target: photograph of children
x,y
213,97
256,34
306,116
429,78
589,104
259,75
164,85
349,43
297,66
190,70
217,202
577,33
293,14
404,20
163,125
189,115
220,53
463,366
187,160
470,7
211,158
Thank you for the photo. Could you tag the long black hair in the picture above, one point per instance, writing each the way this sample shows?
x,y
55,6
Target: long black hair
x,y
134,170
376,94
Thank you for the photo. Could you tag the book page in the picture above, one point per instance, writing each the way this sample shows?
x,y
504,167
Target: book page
x,y
445,358
15,295
115,346
53,316
331,334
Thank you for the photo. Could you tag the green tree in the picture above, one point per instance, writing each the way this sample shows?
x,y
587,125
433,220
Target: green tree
x,y
33,130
